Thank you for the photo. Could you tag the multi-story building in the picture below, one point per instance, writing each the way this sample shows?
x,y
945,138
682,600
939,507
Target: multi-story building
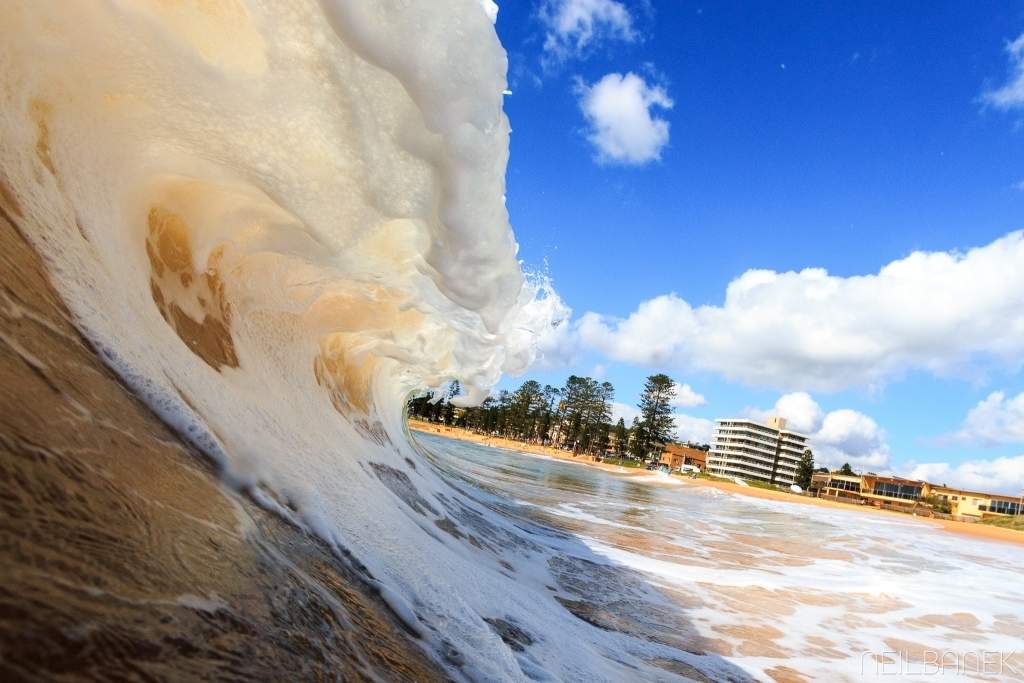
x,y
751,450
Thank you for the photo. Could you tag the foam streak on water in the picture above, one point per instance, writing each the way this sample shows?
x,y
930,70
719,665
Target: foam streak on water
x,y
780,590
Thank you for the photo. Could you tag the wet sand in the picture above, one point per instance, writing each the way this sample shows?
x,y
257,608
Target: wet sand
x,y
966,528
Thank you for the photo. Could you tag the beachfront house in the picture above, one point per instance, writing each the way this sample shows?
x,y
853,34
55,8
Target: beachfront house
x,y
676,457
905,495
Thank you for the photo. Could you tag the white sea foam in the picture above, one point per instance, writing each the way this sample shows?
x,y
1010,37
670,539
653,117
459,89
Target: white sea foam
x,y
816,591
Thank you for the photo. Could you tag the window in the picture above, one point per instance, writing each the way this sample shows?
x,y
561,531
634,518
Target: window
x,y
1002,507
844,485
893,490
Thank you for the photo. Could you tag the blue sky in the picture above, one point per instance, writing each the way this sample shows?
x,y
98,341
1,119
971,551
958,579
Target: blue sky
x,y
663,150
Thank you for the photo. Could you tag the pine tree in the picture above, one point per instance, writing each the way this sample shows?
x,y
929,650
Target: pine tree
x,y
575,415
656,412
621,437
804,470
637,440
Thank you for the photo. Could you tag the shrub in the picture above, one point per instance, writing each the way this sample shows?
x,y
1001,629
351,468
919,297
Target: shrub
x,y
936,503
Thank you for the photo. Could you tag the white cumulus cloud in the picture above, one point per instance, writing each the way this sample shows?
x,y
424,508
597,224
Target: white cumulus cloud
x,y
841,436
624,411
945,312
1002,475
693,429
574,25
802,413
850,436
993,422
618,109
686,397
1012,93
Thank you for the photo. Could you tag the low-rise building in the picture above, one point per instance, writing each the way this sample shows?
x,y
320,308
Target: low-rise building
x,y
968,504
751,450
906,494
820,479
674,457
892,490
839,485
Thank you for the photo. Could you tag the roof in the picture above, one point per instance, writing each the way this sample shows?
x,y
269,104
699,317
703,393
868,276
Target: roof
x,y
762,426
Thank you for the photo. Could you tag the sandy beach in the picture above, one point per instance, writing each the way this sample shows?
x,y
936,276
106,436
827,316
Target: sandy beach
x,y
965,528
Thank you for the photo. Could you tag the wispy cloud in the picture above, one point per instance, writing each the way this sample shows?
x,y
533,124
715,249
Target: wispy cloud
x,y
618,109
1012,93
574,26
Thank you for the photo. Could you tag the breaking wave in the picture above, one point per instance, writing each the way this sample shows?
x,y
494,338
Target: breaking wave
x,y
275,219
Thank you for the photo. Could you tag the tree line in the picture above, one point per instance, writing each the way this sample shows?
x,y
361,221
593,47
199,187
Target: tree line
x,y
576,416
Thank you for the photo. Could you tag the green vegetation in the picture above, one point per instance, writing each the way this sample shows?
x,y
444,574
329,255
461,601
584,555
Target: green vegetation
x,y
1015,522
711,477
426,408
574,417
846,469
804,470
937,503
621,440
621,462
754,483
656,422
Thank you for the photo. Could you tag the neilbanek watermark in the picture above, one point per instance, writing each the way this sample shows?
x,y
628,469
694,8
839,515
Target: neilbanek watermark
x,y
936,663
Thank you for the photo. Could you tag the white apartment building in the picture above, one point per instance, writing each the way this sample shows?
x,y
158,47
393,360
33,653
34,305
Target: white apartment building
x,y
750,450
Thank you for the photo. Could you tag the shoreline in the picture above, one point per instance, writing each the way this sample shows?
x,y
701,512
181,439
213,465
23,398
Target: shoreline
x,y
974,529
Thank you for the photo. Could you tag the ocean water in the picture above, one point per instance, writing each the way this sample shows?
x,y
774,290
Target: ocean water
x,y
777,590
274,219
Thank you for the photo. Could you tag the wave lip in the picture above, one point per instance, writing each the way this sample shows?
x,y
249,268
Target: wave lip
x,y
339,165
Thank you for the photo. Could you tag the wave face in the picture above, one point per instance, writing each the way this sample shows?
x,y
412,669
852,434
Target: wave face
x,y
274,219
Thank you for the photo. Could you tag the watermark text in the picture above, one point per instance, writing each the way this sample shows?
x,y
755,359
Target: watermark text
x,y
937,663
